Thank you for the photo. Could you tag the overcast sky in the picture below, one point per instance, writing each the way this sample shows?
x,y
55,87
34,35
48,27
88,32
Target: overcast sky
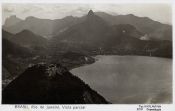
x,y
158,12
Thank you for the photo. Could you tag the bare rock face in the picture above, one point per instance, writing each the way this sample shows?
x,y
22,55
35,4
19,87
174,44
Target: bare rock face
x,y
90,13
49,84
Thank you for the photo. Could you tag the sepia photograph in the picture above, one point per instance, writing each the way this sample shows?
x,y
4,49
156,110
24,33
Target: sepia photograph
x,y
87,53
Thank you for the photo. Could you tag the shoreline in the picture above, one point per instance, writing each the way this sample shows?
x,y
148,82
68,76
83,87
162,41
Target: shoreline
x,y
95,59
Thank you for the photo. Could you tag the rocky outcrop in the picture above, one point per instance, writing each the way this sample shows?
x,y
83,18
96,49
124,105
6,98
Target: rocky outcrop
x,y
49,84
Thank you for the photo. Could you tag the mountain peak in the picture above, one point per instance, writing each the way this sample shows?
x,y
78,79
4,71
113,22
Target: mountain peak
x,y
30,18
57,84
90,13
13,17
12,20
25,32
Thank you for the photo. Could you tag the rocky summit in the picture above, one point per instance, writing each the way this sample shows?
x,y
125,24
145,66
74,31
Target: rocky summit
x,y
49,84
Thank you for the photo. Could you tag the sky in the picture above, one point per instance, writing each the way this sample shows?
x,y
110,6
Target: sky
x,y
157,12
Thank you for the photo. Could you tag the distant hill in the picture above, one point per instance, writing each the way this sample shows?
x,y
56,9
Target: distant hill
x,y
28,39
12,20
49,28
37,26
57,84
154,29
12,56
6,35
25,38
15,50
94,34
43,27
89,31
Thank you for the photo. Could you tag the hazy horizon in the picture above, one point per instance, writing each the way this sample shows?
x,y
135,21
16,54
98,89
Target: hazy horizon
x,y
58,11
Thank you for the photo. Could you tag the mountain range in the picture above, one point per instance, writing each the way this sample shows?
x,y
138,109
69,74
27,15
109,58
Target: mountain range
x,y
49,28
94,32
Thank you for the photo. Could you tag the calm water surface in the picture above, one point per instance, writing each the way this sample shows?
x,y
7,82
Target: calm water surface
x,y
129,79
